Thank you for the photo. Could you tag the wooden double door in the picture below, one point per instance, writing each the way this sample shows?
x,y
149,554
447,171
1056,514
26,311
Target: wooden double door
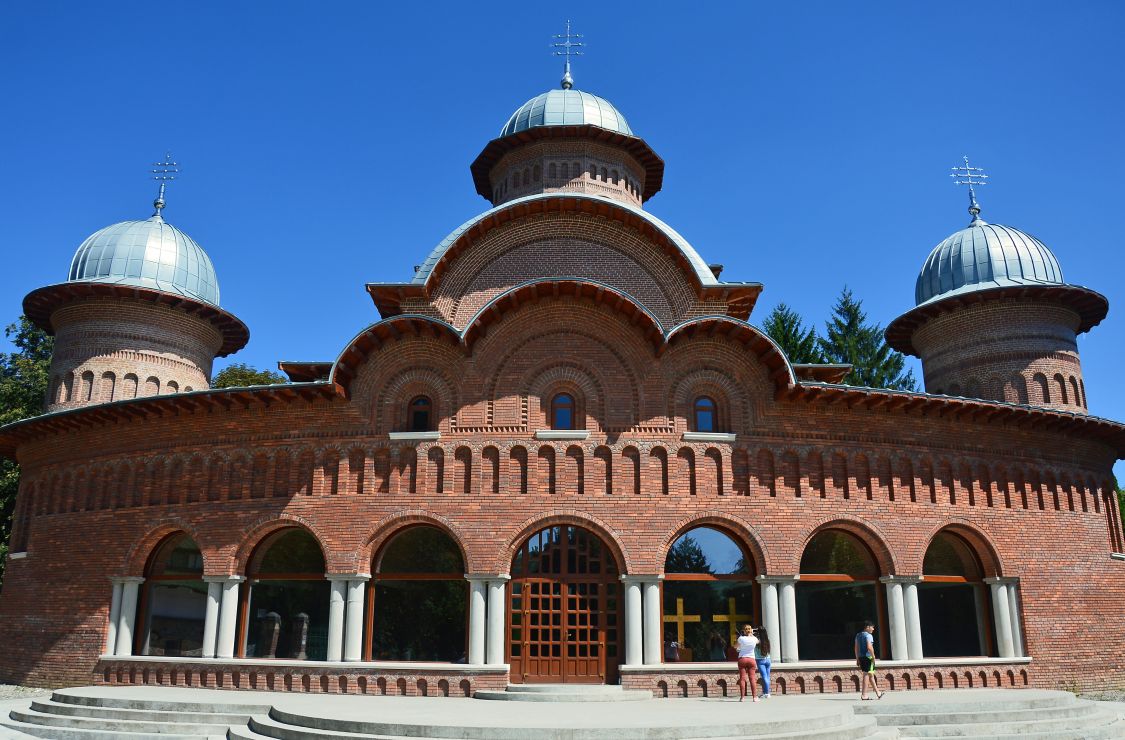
x,y
564,603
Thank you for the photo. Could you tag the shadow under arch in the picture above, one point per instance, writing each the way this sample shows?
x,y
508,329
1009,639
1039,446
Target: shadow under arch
x,y
259,532
756,341
569,518
875,541
742,532
387,528
987,554
143,549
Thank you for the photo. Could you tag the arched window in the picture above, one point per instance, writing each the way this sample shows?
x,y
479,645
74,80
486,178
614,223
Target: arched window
x,y
1060,389
87,393
1040,381
704,415
838,591
565,171
605,174
1076,398
613,177
708,595
421,414
174,600
593,172
562,411
285,599
417,606
952,600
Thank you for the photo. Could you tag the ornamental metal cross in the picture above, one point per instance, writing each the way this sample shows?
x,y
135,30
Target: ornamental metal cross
x,y
567,48
970,176
164,173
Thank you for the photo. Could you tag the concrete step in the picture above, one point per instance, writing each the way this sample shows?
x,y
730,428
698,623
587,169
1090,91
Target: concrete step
x,y
223,698
565,688
31,717
1074,710
858,727
563,692
968,705
149,715
64,733
265,726
1064,727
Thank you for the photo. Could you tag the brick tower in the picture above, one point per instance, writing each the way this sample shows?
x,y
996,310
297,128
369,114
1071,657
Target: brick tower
x,y
137,316
995,320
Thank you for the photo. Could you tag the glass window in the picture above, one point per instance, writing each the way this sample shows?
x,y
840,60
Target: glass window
x,y
420,413
837,592
562,411
708,595
418,602
286,599
704,412
174,601
952,600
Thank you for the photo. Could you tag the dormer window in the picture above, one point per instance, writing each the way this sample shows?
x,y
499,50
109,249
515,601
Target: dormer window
x,y
703,414
421,414
562,411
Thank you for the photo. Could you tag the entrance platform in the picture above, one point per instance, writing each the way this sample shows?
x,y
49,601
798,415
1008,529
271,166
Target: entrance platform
x,y
120,713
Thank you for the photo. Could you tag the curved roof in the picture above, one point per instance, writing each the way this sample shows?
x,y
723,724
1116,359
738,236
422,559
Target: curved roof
x,y
698,266
983,256
147,254
567,107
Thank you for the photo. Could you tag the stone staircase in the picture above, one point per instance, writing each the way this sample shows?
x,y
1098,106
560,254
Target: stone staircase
x,y
563,692
995,714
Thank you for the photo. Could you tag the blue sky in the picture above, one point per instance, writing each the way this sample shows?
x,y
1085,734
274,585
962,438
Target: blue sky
x,y
808,145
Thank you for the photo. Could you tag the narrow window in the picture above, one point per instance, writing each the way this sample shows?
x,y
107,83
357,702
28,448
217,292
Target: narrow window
x,y
704,413
605,173
613,177
565,171
420,414
593,172
562,411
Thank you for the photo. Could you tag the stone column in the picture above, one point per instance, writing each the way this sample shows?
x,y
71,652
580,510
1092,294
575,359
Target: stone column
x,y
228,616
114,617
478,584
896,610
336,599
913,618
211,615
653,621
497,613
771,618
1014,612
127,619
787,607
634,613
1001,616
353,622
982,623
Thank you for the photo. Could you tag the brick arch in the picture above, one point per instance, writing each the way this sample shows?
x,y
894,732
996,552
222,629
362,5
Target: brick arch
x,y
386,529
252,536
397,390
986,552
567,517
377,335
705,380
554,375
741,530
867,532
137,557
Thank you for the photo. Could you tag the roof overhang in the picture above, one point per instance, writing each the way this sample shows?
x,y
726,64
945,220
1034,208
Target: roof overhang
x,y
305,372
39,304
822,372
1090,305
635,147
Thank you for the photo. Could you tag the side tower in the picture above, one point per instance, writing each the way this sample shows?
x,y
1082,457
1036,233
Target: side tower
x,y
995,319
137,316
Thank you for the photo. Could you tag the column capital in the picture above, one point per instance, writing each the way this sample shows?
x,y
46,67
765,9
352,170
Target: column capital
x,y
633,578
1004,580
778,579
488,577
903,580
224,579
126,579
347,577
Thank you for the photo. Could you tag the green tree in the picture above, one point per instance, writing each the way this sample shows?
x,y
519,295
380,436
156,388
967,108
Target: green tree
x,y
786,327
240,375
686,556
23,386
851,339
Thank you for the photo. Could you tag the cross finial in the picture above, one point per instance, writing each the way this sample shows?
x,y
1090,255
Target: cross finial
x,y
567,48
970,176
164,173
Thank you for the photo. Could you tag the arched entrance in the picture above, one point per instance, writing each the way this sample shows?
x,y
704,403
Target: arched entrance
x,y
564,606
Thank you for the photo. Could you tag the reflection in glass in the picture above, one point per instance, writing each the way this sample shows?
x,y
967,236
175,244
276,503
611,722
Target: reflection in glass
x,y
562,411
704,414
952,601
174,602
286,599
837,592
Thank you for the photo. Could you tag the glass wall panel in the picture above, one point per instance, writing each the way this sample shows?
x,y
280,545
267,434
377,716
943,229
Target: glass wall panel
x,y
286,599
830,614
174,600
953,601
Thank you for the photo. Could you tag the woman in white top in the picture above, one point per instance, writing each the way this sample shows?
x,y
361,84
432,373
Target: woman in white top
x,y
747,666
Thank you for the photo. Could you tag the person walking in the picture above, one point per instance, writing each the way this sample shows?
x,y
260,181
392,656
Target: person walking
x,y
762,658
747,665
865,659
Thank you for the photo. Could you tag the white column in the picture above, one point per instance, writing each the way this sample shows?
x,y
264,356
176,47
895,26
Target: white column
x,y
336,598
787,598
653,622
497,619
913,618
896,610
211,614
353,623
228,616
634,611
771,619
1014,613
1001,616
114,617
476,618
982,623
127,619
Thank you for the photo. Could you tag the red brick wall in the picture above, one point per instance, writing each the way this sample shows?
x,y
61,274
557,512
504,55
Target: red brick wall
x,y
579,155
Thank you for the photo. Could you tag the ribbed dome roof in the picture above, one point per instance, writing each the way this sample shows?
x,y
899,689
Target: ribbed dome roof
x,y
567,107
983,256
149,254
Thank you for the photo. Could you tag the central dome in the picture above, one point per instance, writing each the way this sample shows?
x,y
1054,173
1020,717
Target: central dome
x,y
567,107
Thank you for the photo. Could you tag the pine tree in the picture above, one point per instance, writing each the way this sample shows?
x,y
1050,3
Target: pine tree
x,y
850,339
686,556
786,327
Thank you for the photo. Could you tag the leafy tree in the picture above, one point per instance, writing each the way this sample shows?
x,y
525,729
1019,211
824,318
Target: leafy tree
x,y
23,386
240,375
786,327
851,339
686,556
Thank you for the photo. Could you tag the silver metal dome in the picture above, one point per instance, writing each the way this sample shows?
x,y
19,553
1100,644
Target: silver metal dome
x,y
983,256
567,107
149,254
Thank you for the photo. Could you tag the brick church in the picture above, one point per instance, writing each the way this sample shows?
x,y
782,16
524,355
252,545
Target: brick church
x,y
561,452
